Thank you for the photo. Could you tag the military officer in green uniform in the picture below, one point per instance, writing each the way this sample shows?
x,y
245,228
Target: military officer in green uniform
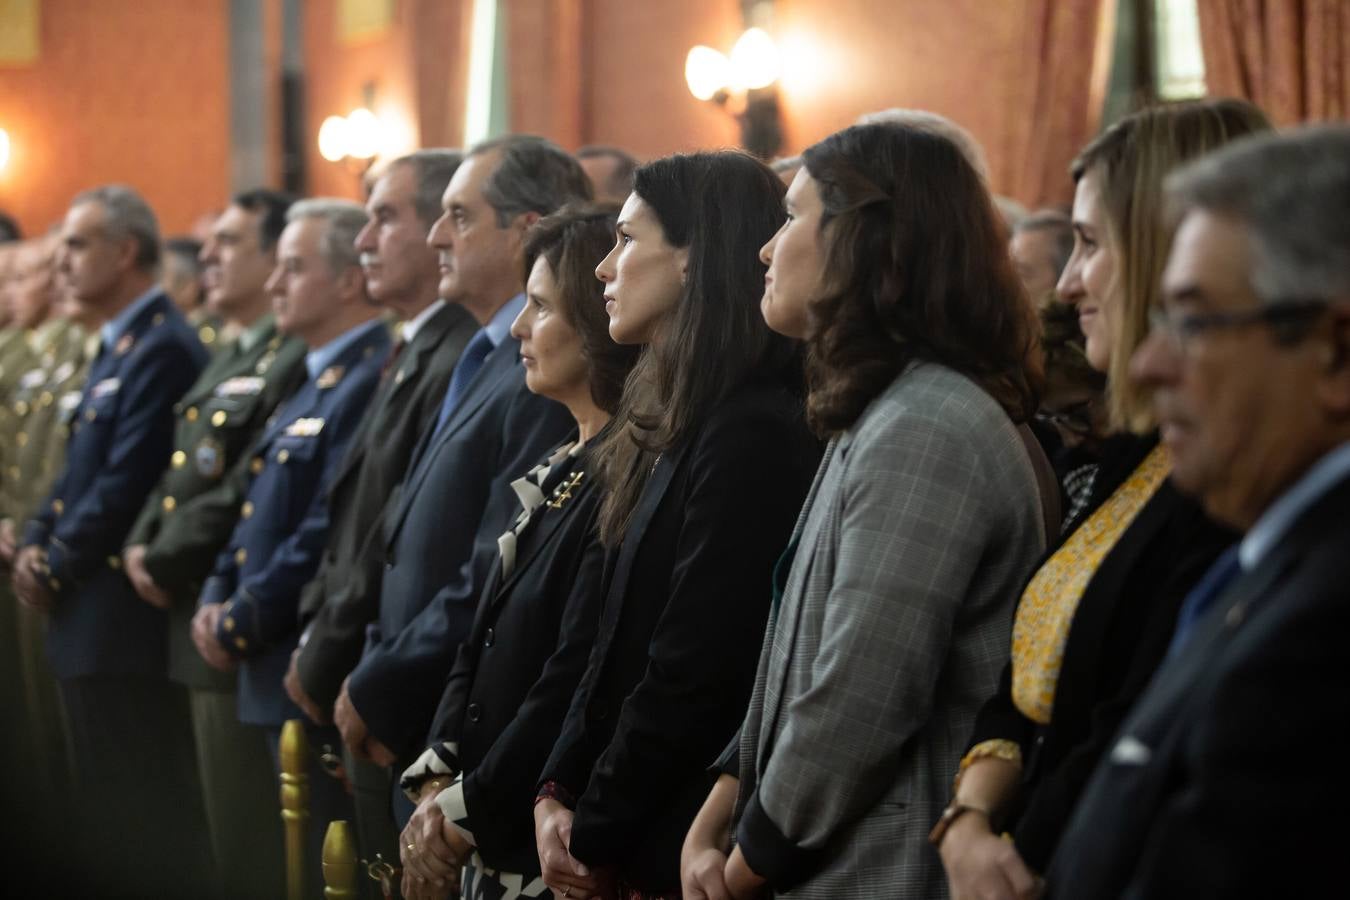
x,y
181,279
29,361
190,515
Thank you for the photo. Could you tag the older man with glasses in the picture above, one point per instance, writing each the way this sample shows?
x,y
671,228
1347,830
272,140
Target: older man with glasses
x,y
1220,780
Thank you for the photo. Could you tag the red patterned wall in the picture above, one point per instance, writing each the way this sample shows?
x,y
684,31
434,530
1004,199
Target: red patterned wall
x,y
133,92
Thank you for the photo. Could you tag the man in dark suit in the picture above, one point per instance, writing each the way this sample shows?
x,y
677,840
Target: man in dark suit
x,y
186,521
402,276
128,724
488,430
1218,782
250,603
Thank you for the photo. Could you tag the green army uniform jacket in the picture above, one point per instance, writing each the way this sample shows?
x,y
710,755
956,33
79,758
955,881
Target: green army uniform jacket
x,y
38,411
192,511
17,358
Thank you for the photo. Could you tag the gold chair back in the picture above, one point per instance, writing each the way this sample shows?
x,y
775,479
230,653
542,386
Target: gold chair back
x,y
339,861
295,804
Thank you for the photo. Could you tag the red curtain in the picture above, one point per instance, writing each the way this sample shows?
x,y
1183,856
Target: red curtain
x,y
1065,64
1290,57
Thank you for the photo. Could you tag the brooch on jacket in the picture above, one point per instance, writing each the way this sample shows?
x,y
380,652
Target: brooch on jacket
x,y
563,492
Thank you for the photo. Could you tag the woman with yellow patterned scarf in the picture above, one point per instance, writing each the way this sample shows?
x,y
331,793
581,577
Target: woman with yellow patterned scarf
x,y
1095,620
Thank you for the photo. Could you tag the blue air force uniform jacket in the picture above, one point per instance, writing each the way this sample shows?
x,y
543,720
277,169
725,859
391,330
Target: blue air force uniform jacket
x,y
121,435
283,524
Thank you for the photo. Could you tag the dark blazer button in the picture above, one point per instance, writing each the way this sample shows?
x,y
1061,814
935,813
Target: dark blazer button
x,y
475,712
389,563
489,638
600,711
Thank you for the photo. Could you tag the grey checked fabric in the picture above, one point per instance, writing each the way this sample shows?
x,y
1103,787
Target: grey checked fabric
x,y
921,526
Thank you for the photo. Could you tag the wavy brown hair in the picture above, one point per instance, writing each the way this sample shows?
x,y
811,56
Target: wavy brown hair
x,y
1131,159
573,241
917,269
722,206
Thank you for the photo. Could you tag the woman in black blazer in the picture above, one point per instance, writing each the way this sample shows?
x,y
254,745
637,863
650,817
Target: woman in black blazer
x,y
515,675
1096,619
706,468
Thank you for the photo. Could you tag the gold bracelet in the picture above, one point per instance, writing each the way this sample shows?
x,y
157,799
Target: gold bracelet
x,y
948,817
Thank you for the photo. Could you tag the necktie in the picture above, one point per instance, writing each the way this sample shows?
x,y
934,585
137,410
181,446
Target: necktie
x,y
467,367
392,359
1202,596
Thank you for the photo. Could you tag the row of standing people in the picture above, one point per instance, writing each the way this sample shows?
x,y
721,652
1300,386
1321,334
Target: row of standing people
x,y
915,632
607,603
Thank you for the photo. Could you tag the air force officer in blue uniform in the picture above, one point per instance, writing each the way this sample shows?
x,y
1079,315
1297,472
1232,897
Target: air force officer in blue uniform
x,y
127,722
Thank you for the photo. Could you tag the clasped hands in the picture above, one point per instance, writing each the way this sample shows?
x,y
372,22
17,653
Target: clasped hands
x,y
30,578
133,563
204,624
709,868
356,735
432,850
565,875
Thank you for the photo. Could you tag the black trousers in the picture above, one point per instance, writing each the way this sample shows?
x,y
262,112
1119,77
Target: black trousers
x,y
135,821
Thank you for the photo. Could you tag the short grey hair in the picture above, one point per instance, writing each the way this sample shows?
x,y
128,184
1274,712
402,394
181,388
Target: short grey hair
x,y
1058,226
432,170
1291,191
620,181
532,175
932,123
344,220
126,215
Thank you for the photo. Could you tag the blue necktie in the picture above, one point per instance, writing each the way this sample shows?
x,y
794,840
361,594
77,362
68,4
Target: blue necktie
x,y
467,367
1202,596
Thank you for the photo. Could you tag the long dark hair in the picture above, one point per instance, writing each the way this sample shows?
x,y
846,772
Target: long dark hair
x,y
722,206
918,270
573,241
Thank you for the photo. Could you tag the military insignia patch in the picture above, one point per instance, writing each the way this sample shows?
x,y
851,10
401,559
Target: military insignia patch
x,y
33,378
304,428
243,386
330,376
210,458
106,387
63,372
125,343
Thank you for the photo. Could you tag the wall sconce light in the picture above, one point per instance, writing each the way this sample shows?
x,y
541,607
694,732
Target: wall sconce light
x,y
353,139
4,149
744,85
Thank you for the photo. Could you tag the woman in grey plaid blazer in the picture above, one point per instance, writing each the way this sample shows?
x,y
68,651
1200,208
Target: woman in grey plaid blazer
x,y
892,606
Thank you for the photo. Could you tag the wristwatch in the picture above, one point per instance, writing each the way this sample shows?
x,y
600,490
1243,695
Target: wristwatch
x,y
950,815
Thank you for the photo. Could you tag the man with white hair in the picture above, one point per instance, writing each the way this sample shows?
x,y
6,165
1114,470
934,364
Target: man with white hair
x,y
127,722
403,276
932,123
1219,781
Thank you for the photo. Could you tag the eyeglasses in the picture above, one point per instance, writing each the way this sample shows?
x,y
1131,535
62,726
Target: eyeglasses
x,y
1286,318
1077,418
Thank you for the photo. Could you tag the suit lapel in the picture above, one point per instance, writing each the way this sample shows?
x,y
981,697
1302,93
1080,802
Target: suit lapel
x,y
1091,622
540,534
788,616
496,366
301,403
477,393
650,501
